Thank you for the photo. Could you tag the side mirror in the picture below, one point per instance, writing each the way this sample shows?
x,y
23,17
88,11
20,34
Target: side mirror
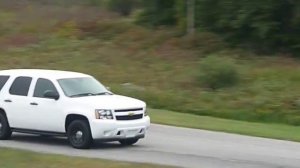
x,y
108,88
51,95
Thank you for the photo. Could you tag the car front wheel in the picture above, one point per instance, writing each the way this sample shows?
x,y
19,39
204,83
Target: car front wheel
x,y
5,131
79,134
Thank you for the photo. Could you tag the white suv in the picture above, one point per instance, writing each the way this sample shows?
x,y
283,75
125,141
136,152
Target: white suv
x,y
76,105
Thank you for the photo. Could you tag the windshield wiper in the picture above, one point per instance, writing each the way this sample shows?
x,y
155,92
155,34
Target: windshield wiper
x,y
82,94
104,93
91,94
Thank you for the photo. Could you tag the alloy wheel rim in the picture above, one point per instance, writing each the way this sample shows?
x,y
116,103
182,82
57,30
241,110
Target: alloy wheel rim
x,y
77,136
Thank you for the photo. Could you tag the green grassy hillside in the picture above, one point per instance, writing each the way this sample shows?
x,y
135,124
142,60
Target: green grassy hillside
x,y
159,66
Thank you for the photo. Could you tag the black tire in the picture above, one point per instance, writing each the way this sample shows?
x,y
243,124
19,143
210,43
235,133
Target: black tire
x,y
79,134
5,131
127,142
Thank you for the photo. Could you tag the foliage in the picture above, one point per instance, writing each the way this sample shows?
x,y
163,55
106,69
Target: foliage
x,y
205,42
265,26
103,29
157,13
95,2
67,29
123,7
217,72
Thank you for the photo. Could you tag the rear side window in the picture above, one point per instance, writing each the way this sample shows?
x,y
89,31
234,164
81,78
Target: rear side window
x,y
43,85
3,80
20,86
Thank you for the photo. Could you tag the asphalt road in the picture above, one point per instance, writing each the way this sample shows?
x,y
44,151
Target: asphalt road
x,y
179,147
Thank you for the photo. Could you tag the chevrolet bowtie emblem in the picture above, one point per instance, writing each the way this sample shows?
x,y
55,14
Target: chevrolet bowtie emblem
x,y
130,113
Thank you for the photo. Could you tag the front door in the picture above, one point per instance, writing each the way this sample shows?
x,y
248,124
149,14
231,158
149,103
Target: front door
x,y
46,113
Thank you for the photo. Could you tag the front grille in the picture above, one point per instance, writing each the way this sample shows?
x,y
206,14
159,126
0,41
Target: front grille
x,y
128,117
128,110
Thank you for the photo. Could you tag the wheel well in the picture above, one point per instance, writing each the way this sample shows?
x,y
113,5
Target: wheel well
x,y
3,112
72,117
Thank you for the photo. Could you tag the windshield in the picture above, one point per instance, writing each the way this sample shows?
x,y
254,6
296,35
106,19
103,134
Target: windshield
x,y
84,86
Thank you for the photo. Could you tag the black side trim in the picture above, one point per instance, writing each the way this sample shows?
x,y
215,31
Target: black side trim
x,y
28,131
126,110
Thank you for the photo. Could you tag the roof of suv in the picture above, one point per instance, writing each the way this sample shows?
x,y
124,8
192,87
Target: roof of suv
x,y
53,74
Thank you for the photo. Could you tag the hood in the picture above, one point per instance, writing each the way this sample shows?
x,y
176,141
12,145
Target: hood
x,y
110,102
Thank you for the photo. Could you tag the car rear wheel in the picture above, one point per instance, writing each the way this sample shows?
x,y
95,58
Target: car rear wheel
x,y
79,134
127,142
5,131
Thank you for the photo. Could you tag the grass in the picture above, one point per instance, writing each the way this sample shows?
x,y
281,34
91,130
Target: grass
x,y
158,66
11,158
275,131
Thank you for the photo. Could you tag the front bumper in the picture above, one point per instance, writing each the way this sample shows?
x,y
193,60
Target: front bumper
x,y
113,130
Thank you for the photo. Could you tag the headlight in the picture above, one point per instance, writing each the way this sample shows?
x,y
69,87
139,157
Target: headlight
x,y
146,112
104,114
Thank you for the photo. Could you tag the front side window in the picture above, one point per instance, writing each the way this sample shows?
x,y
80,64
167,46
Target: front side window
x,y
20,86
3,80
42,86
83,86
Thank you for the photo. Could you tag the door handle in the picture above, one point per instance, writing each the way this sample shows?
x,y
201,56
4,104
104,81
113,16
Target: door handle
x,y
7,101
33,103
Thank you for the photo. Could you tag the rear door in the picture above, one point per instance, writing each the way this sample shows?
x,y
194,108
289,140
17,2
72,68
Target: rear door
x,y
16,102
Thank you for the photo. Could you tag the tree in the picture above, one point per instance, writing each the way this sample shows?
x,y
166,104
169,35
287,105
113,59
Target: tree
x,y
123,7
266,26
190,16
262,25
158,12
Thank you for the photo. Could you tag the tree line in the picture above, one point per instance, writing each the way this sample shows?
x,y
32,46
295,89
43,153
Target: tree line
x,y
263,25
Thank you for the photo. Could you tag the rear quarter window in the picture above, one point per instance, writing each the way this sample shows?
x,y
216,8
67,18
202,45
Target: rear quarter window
x,y
3,80
20,86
